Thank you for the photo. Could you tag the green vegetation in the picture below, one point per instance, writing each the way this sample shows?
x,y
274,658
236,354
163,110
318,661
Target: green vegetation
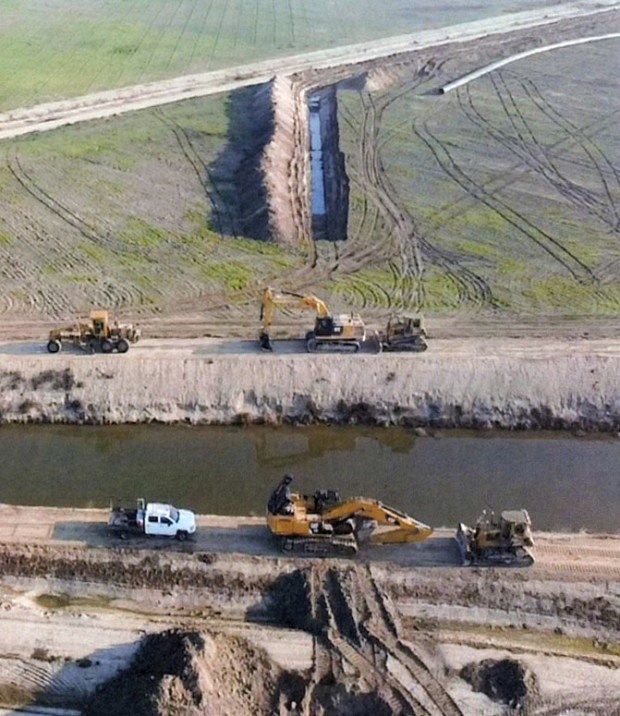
x,y
535,640
51,52
140,210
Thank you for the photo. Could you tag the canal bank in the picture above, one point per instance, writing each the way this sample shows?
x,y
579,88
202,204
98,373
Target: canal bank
x,y
474,384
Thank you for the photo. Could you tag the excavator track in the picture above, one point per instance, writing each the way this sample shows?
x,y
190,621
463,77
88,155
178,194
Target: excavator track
x,y
327,546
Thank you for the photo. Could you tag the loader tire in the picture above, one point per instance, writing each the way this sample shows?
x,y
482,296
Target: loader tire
x,y
54,346
122,346
106,346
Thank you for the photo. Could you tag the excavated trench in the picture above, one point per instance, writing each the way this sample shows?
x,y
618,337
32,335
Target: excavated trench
x,y
282,176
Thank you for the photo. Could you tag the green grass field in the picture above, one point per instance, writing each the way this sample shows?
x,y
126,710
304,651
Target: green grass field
x,y
55,49
507,198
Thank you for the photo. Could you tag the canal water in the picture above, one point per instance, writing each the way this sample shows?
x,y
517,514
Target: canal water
x,y
566,483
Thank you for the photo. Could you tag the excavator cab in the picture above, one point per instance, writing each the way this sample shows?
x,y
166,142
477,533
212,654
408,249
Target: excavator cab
x,y
326,327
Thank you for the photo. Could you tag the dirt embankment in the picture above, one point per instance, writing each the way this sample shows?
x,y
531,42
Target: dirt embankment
x,y
467,384
377,638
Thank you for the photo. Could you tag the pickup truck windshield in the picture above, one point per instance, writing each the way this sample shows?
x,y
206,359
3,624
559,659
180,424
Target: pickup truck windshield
x,y
174,514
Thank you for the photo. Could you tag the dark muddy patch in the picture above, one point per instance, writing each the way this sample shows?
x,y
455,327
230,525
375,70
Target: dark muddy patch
x,y
507,681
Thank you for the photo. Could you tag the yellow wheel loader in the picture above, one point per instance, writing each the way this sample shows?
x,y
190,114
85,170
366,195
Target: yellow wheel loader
x,y
324,524
98,333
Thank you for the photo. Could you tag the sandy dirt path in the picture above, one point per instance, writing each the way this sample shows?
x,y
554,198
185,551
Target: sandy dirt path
x,y
556,553
99,105
72,616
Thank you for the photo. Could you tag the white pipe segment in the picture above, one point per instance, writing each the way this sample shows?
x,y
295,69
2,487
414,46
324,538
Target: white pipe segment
x,y
465,79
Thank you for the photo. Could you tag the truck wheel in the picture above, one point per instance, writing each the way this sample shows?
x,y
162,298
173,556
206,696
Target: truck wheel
x,y
122,346
181,535
123,535
106,346
54,346
311,345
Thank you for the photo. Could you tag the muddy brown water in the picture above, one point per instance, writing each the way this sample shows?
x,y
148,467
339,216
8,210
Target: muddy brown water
x,y
567,483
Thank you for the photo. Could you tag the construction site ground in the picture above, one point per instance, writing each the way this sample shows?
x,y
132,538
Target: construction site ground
x,y
242,627
523,327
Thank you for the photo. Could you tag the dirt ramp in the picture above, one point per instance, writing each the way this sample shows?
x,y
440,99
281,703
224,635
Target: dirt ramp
x,y
190,673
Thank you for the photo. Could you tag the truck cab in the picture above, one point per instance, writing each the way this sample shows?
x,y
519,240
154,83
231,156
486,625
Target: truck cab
x,y
164,520
159,519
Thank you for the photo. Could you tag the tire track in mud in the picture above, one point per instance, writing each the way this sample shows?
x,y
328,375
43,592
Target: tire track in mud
x,y
358,625
534,154
115,294
568,261
590,148
410,263
469,287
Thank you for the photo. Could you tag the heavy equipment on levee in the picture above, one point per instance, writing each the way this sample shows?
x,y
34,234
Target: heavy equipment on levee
x,y
404,332
504,540
98,332
343,332
331,332
324,524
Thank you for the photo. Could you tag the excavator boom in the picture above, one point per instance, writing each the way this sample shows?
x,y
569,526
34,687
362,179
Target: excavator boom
x,y
332,331
325,524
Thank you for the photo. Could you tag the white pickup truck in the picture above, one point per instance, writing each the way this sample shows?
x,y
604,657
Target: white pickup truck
x,y
151,518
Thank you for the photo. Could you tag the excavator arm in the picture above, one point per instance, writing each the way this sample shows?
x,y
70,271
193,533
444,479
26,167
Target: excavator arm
x,y
398,527
272,299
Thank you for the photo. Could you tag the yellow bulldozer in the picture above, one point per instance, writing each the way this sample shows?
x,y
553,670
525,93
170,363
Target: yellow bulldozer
x,y
404,333
503,540
324,524
339,332
99,332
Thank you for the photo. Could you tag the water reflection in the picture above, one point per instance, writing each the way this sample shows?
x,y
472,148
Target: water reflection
x,y
566,483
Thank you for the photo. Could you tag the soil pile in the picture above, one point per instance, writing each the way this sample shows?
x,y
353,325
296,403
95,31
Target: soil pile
x,y
507,681
191,673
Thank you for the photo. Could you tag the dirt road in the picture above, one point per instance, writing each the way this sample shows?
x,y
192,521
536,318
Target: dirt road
x,y
53,526
402,630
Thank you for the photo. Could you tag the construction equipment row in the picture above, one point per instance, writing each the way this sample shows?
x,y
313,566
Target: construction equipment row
x,y
344,332
325,524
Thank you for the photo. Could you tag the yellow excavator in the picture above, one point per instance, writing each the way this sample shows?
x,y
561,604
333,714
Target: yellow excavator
x,y
323,524
340,332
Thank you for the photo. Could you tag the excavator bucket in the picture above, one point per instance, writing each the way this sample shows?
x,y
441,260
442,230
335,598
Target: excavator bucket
x,y
265,342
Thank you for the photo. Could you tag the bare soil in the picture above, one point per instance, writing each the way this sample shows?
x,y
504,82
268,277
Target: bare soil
x,y
195,629
225,624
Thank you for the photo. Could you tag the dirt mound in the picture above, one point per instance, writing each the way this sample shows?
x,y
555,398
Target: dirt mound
x,y
192,673
507,681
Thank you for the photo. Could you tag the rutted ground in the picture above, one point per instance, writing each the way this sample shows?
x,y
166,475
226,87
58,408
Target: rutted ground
x,y
152,213
274,635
